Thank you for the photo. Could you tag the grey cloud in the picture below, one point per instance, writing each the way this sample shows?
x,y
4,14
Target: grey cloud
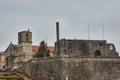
x,y
40,16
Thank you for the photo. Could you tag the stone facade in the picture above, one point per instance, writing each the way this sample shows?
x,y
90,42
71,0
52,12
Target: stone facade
x,y
78,60
17,54
25,37
86,48
25,43
2,60
73,68
73,59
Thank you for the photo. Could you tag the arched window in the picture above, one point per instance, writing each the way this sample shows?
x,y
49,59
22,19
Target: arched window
x,y
97,53
111,47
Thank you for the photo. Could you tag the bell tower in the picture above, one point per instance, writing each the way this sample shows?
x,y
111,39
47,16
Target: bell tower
x,y
25,43
25,37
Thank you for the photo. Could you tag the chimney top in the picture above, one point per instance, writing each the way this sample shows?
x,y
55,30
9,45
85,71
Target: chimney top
x,y
28,30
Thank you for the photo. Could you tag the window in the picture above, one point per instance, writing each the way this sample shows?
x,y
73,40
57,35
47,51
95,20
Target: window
x,y
26,35
111,47
97,53
27,38
20,37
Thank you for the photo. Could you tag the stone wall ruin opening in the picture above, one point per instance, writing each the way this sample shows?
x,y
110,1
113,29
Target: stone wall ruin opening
x,y
97,53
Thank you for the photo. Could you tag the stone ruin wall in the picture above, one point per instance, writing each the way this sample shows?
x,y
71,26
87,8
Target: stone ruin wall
x,y
74,68
85,48
78,61
91,68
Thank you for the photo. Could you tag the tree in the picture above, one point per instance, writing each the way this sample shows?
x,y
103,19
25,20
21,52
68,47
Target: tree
x,y
43,51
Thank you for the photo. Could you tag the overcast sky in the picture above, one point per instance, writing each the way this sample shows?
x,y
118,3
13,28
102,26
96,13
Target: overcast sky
x,y
40,17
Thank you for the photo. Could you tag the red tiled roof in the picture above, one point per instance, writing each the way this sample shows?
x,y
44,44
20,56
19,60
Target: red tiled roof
x,y
35,48
51,48
17,46
2,52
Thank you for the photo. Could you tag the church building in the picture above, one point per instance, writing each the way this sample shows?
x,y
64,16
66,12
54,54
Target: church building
x,y
17,54
2,60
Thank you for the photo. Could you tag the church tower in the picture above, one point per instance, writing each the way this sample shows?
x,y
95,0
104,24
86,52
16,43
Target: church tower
x,y
25,44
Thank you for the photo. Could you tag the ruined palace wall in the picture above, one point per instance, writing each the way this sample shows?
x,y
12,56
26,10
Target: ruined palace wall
x,y
74,68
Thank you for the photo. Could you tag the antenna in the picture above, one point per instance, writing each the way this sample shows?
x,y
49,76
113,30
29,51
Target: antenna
x,y
103,30
88,31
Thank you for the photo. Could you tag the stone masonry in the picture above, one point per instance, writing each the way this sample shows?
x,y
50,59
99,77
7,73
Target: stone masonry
x,y
74,68
86,48
78,60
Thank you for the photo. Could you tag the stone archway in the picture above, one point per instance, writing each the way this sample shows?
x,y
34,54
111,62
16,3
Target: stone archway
x,y
97,53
